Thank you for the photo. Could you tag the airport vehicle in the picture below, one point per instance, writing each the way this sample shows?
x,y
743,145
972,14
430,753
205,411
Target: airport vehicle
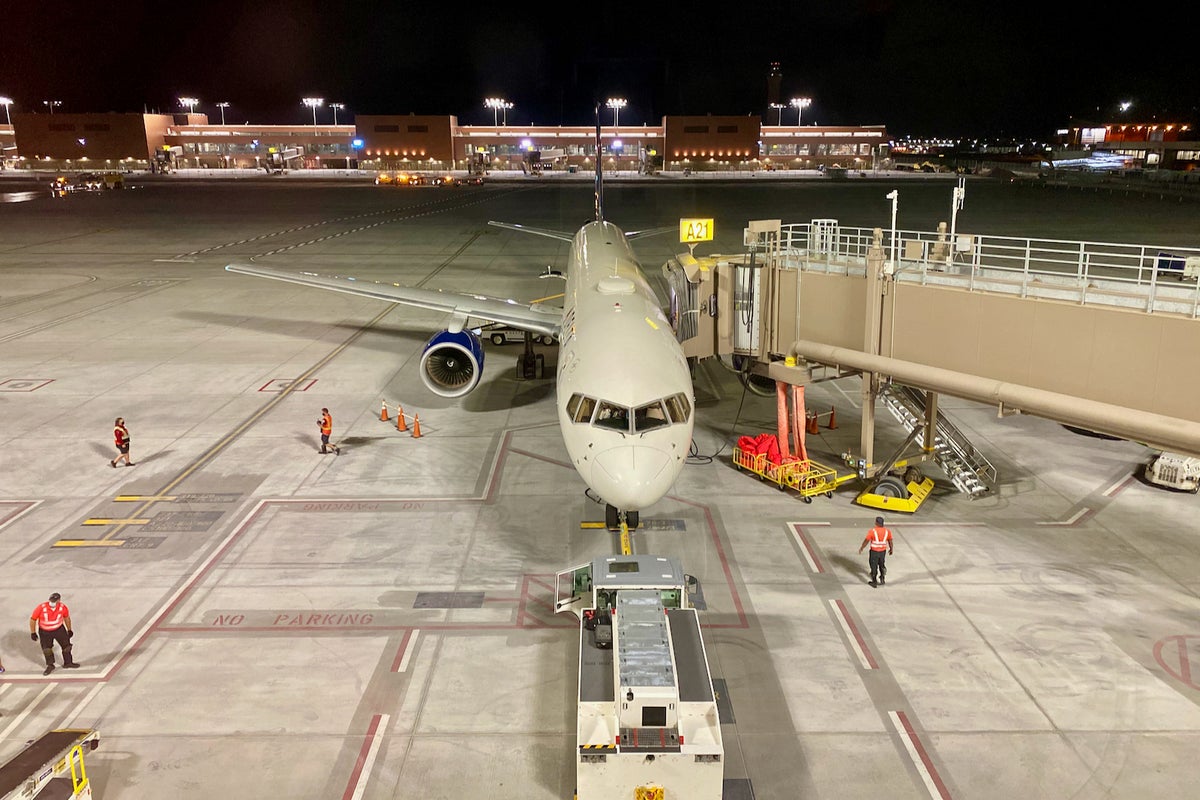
x,y
87,182
506,334
626,421
647,722
1175,471
50,766
385,179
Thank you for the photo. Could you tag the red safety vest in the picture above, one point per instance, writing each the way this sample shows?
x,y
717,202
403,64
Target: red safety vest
x,y
50,619
120,434
326,424
881,538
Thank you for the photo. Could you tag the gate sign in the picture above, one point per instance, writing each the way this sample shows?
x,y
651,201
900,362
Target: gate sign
x,y
695,230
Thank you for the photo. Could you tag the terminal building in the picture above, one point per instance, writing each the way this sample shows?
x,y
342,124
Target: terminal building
x,y
431,142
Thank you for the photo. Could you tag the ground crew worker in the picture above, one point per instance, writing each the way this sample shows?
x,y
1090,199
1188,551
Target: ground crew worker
x,y
325,423
880,540
50,623
121,440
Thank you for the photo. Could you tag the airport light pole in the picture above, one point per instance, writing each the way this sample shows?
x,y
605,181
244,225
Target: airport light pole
x,y
190,103
223,105
314,103
6,102
800,103
616,104
778,113
497,104
52,104
336,108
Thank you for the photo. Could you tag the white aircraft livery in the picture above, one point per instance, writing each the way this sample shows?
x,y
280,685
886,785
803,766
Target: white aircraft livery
x,y
624,391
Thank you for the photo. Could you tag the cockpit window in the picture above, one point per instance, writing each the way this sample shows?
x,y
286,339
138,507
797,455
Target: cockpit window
x,y
580,408
678,407
612,416
649,416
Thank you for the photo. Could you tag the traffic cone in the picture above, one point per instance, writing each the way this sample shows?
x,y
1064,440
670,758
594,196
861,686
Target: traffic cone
x,y
812,426
383,415
401,425
416,426
833,419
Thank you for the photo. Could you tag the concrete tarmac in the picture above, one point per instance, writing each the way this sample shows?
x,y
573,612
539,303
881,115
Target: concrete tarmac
x,y
255,619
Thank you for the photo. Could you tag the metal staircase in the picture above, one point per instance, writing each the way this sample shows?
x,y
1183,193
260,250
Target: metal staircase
x,y
966,467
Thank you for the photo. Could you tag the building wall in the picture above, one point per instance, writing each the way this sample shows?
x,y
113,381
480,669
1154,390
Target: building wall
x,y
98,138
407,136
711,138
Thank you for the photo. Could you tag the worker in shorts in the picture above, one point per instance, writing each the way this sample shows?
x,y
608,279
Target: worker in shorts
x,y
121,440
325,423
50,622
880,540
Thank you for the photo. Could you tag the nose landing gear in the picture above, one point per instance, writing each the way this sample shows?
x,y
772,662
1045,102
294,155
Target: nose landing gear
x,y
613,515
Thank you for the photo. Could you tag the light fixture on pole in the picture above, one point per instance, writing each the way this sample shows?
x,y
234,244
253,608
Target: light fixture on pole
x,y
336,108
616,104
52,104
314,103
497,104
6,102
800,103
778,112
190,103
223,105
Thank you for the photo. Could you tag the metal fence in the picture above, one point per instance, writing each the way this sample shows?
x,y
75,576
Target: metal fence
x,y
1151,278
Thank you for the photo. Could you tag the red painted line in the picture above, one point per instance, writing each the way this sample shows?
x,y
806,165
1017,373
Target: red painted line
x,y
1120,487
916,740
723,558
362,758
401,650
857,636
1182,673
21,507
812,553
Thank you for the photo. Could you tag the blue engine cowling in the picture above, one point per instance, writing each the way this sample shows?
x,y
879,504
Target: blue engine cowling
x,y
452,363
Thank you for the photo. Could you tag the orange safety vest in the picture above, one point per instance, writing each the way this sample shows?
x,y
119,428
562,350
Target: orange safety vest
x,y
881,538
48,618
326,424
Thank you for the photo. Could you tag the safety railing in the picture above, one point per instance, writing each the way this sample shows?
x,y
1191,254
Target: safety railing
x,y
1152,278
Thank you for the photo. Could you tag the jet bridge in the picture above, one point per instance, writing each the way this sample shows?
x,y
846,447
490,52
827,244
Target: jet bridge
x,y
647,713
1091,334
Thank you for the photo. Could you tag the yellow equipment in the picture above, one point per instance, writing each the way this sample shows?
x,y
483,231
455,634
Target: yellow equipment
x,y
46,761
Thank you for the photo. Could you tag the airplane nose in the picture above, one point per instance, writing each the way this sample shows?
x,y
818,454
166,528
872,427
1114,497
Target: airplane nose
x,y
625,476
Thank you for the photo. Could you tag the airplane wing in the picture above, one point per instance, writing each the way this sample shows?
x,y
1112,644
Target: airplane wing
x,y
562,236
527,317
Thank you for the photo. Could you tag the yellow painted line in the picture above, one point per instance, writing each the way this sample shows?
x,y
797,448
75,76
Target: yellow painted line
x,y
89,543
131,498
95,521
592,525
626,543
650,322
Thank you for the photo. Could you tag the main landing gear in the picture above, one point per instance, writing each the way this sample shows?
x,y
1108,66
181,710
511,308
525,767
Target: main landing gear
x,y
612,518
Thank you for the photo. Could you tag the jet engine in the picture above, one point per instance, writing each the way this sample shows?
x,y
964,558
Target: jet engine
x,y
452,363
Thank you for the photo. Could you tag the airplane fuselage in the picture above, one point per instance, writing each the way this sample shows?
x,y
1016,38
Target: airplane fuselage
x,y
618,354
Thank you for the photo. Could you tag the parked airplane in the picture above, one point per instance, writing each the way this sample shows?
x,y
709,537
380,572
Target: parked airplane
x,y
624,391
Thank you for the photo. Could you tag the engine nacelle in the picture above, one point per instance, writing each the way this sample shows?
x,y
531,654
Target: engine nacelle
x,y
452,363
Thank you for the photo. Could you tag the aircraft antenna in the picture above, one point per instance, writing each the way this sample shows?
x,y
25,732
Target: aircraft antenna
x,y
599,170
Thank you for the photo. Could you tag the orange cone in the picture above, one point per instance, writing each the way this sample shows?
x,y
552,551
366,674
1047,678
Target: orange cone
x,y
416,426
401,425
833,419
812,426
383,415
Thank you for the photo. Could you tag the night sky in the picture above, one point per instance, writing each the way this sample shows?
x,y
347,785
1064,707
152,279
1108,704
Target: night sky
x,y
935,68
